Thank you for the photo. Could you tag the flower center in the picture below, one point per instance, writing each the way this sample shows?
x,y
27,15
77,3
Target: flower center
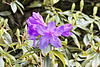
x,y
50,32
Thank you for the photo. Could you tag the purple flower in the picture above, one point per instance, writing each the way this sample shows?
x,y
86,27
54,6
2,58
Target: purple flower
x,y
67,29
36,18
50,35
33,21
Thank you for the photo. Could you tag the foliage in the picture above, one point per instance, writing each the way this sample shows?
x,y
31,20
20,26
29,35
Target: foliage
x,y
82,49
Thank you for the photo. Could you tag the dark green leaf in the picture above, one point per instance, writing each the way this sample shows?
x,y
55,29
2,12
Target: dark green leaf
x,y
35,4
5,13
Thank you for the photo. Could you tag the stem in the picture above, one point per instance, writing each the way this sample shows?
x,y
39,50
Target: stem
x,y
37,62
6,2
13,20
41,59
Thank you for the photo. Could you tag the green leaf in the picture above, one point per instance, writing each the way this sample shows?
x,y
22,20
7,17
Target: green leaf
x,y
35,4
94,62
85,62
81,5
86,40
54,1
5,23
18,33
73,7
66,61
82,27
47,19
77,32
5,13
95,9
7,38
47,62
1,32
92,55
75,40
98,59
72,48
96,38
19,4
47,1
71,63
77,64
13,7
88,64
59,55
98,24
36,57
68,13
57,19
18,65
24,49
1,62
25,55
20,9
46,50
64,42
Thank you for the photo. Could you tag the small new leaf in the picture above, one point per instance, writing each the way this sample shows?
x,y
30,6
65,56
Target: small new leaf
x,y
13,7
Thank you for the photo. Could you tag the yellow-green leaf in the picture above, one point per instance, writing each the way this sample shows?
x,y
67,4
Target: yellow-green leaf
x,y
59,55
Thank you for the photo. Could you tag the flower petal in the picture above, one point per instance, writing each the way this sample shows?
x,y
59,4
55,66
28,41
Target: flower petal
x,y
67,27
66,34
55,41
34,42
32,33
51,26
44,41
59,31
36,18
41,29
33,21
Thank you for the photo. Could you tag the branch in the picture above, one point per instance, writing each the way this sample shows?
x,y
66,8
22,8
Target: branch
x,y
6,2
41,59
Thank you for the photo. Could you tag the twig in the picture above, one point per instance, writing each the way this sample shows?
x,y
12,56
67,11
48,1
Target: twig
x,y
40,59
37,62
6,2
13,20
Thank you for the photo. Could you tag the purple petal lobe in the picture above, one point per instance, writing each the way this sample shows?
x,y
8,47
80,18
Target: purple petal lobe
x,y
59,30
36,18
32,33
44,41
41,29
66,34
28,22
34,43
51,26
55,41
67,27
